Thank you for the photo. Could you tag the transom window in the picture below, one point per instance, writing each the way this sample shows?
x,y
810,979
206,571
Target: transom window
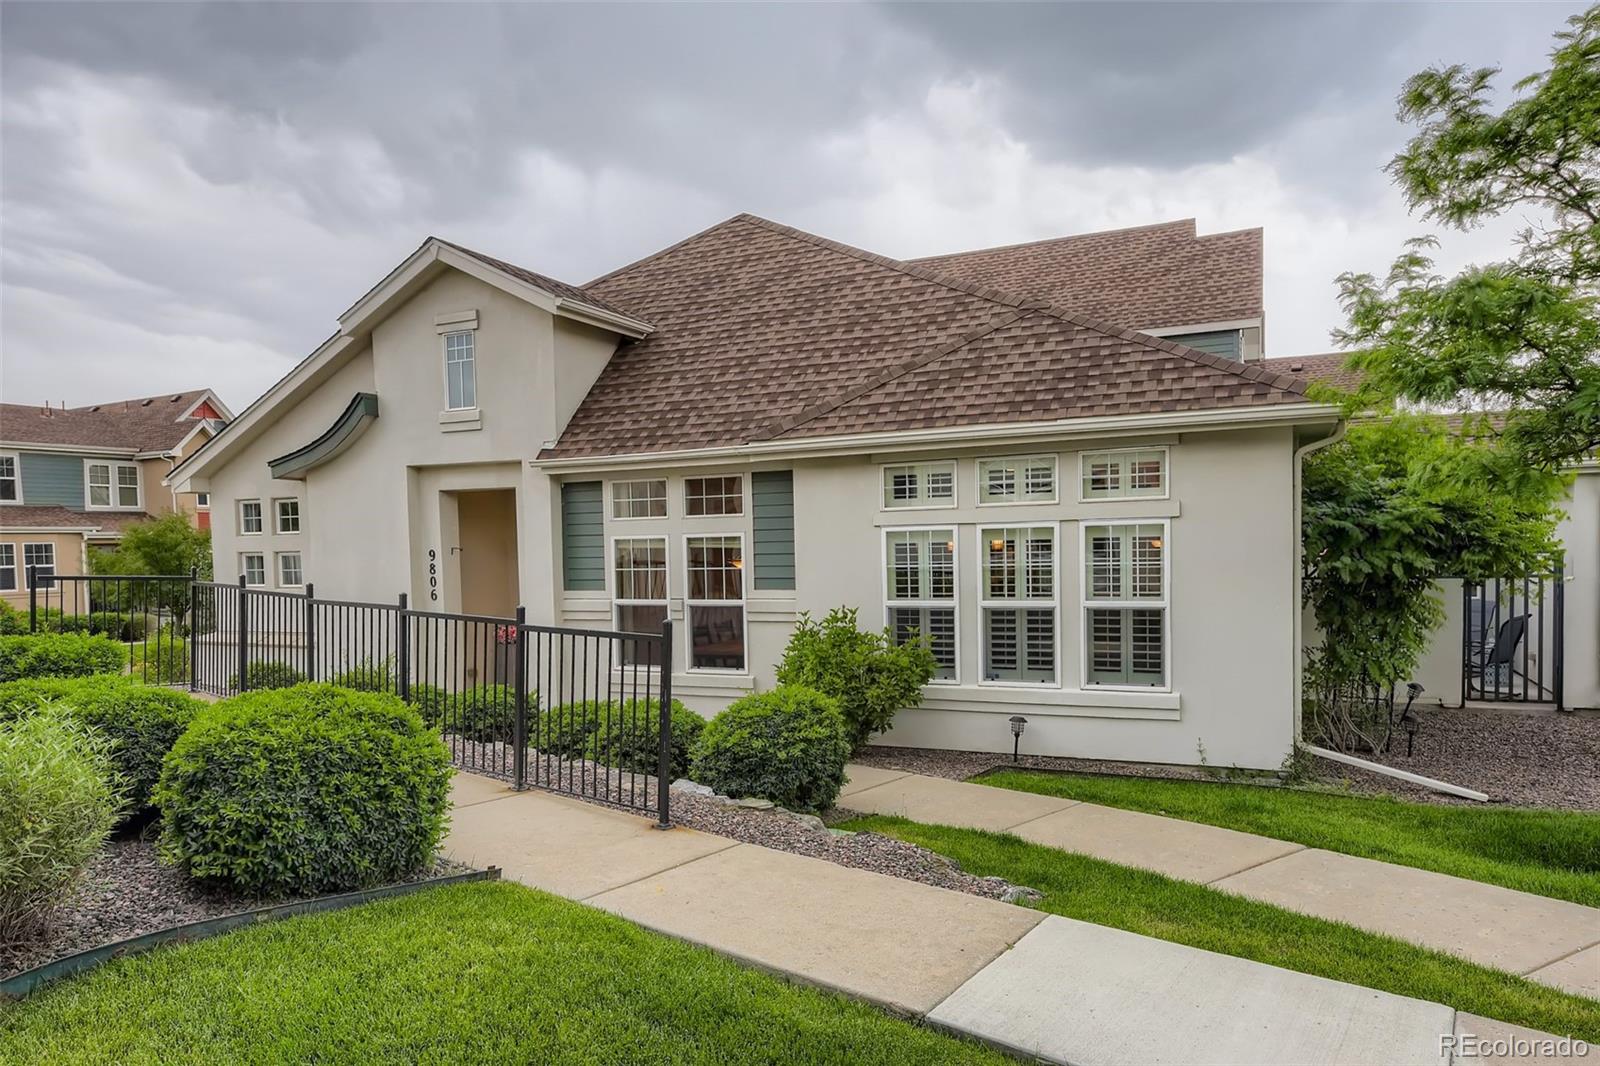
x,y
10,481
639,565
39,559
253,566
288,515
1031,479
716,602
639,499
8,567
249,516
1125,604
713,495
920,485
290,573
1018,590
1124,474
460,371
202,501
113,485
920,592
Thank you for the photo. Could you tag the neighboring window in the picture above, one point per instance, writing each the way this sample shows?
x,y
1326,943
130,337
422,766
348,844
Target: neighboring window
x,y
1125,474
1125,604
290,573
40,560
288,515
1024,480
1018,590
8,567
639,565
713,495
716,602
10,481
639,499
920,591
249,516
253,565
113,485
460,371
920,485
202,501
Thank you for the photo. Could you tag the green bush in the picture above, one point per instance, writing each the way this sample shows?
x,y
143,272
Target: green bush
x,y
620,733
788,745
429,702
13,622
59,655
482,713
162,660
123,627
139,722
870,675
268,674
61,798
369,675
67,623
302,790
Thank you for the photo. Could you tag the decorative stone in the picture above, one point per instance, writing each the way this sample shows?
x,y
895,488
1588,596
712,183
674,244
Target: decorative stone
x,y
810,821
840,832
754,803
1021,894
693,788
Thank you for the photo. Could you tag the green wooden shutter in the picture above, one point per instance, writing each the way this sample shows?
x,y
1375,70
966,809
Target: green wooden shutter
x,y
583,542
1224,342
772,510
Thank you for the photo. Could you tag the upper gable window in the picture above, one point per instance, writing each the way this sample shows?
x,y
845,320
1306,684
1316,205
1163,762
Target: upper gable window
x,y
1030,479
10,479
1129,474
920,485
460,371
112,485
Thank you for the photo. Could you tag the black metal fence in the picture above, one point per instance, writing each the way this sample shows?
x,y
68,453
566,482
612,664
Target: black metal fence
x,y
581,711
1513,640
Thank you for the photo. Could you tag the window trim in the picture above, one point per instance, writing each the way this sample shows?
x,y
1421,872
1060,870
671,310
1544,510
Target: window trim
x,y
610,500
1086,604
1166,473
1055,480
202,501
277,569
985,603
22,563
955,486
617,601
16,471
239,513
744,498
743,603
953,603
113,466
15,567
277,516
244,571
444,366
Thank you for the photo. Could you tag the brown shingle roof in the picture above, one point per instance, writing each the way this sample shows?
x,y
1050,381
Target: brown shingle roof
x,y
1328,368
763,331
27,517
541,281
1150,277
148,424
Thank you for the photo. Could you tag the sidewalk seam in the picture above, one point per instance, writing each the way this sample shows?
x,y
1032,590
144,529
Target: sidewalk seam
x,y
1297,849
1560,958
1047,814
880,784
657,873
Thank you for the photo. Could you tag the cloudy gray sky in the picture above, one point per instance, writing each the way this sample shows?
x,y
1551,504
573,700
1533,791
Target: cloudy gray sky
x,y
191,193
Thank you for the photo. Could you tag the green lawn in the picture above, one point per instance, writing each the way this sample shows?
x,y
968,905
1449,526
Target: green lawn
x,y
1105,893
488,972
1552,853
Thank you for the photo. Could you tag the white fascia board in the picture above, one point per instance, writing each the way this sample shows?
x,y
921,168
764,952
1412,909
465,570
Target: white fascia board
x,y
12,531
1204,327
70,449
216,402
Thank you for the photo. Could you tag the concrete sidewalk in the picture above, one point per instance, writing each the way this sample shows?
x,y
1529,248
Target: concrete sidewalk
x,y
1061,990
1548,940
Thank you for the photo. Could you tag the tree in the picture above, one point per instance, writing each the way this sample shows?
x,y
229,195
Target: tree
x,y
169,546
1519,337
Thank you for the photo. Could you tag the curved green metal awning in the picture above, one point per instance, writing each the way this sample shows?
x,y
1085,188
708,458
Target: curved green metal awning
x,y
345,431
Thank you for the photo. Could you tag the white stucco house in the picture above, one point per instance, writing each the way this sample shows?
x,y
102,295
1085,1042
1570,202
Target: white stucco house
x,y
1063,462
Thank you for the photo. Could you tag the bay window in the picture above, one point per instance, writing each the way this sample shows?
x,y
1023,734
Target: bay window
x,y
639,567
1018,592
1125,604
715,602
920,592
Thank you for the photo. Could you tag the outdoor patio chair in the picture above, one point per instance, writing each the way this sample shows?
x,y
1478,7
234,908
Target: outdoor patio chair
x,y
1481,615
1499,668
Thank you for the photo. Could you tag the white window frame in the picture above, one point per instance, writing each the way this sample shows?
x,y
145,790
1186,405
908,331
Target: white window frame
x,y
202,501
114,468
1166,474
15,478
1019,461
743,603
9,547
50,546
883,486
261,517
985,603
743,503
614,587
277,569
666,493
953,604
244,569
277,516
1164,604
472,365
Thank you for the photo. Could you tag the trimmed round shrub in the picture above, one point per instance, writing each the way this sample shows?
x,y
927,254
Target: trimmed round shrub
x,y
61,798
483,713
12,621
59,655
369,675
268,674
304,790
620,733
139,722
124,627
788,745
869,675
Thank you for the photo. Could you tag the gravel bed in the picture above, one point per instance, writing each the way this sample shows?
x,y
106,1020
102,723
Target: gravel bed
x,y
127,892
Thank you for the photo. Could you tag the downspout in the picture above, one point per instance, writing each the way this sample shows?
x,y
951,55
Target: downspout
x,y
1297,709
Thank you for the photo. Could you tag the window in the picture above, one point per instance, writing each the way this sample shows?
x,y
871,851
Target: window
x,y
716,602
920,591
1024,480
460,371
290,574
202,501
1125,604
40,560
249,517
1125,475
102,478
639,499
288,515
8,567
639,565
1018,591
920,485
253,565
713,495
10,480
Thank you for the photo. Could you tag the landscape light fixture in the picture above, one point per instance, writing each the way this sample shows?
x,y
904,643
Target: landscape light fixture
x,y
1018,724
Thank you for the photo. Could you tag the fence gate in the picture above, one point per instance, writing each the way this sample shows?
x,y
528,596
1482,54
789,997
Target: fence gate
x,y
1513,640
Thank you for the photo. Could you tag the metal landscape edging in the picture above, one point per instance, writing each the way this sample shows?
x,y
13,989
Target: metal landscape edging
x,y
19,985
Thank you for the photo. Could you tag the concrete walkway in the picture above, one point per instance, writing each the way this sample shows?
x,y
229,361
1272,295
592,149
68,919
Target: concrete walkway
x,y
1050,987
1548,940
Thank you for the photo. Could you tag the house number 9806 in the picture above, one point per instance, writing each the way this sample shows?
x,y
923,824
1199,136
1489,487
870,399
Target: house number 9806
x,y
433,574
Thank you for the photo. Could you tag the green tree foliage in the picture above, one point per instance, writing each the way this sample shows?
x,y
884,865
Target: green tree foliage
x,y
867,673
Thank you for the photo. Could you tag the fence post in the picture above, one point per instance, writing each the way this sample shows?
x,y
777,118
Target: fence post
x,y
664,745
1559,639
402,651
244,637
311,631
33,598
194,626
519,732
